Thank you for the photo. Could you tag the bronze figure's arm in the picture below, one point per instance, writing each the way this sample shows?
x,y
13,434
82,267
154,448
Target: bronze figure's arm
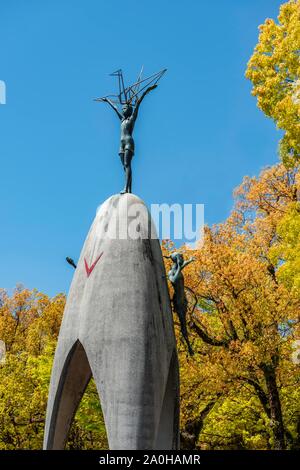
x,y
111,104
138,102
188,262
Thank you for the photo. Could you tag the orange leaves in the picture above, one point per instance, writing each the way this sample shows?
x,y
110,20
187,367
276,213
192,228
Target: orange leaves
x,y
28,319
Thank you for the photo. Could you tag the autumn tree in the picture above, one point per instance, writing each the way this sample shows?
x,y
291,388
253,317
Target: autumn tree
x,y
29,327
274,70
241,319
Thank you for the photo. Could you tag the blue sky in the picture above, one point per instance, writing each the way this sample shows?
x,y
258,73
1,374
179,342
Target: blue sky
x,y
197,135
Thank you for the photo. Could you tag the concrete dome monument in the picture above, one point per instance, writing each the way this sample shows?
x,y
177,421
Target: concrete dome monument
x,y
117,324
118,327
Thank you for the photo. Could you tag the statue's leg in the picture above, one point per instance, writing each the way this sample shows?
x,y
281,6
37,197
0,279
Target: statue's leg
x,y
130,183
122,160
128,171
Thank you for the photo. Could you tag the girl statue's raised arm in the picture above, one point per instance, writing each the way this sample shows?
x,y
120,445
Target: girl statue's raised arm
x,y
138,102
106,100
188,261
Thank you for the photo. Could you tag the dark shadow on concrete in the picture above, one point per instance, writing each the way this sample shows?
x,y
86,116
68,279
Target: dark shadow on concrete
x,y
168,429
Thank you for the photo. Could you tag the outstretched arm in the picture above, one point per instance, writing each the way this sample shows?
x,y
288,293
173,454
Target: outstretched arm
x,y
106,100
136,110
188,261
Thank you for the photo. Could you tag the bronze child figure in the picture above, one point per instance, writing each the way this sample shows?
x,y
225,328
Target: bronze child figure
x,y
179,300
128,118
129,98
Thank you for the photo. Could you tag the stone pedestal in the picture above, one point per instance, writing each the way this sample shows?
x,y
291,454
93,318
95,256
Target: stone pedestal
x,y
118,328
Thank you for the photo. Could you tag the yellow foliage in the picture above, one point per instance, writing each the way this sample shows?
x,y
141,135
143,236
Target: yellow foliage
x,y
274,70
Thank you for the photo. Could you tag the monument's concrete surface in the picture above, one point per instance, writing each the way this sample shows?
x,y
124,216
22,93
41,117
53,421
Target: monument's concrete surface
x,y
118,327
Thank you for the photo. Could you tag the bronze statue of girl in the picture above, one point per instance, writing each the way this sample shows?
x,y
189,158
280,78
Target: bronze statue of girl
x,y
130,99
128,117
179,300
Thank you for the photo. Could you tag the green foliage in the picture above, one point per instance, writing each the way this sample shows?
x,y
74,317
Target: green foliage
x,y
88,429
285,254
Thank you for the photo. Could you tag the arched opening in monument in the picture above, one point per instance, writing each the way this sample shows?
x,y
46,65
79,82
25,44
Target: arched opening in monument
x,y
88,430
77,421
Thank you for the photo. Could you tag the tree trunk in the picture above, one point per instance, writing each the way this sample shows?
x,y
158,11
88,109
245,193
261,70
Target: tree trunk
x,y
190,435
276,419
